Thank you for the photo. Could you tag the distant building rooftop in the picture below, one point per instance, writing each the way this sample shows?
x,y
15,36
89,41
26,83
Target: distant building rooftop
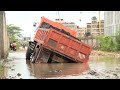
x,y
58,19
94,18
88,23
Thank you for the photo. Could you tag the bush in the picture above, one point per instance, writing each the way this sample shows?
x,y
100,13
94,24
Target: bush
x,y
107,43
118,39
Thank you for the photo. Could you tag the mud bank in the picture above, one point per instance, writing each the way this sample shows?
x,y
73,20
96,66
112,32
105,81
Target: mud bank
x,y
104,53
93,74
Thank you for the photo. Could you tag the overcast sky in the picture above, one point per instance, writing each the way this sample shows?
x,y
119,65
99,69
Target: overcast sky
x,y
25,19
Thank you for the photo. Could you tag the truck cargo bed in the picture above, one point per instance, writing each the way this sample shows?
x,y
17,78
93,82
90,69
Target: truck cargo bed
x,y
53,42
64,45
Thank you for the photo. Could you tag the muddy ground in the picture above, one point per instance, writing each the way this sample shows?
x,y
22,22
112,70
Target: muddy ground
x,y
100,66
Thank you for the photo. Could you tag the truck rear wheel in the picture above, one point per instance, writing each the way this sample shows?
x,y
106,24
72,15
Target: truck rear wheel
x,y
28,53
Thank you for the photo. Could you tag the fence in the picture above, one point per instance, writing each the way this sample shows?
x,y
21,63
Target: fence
x,y
92,42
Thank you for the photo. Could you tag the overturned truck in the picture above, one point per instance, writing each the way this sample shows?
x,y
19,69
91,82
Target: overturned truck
x,y
53,42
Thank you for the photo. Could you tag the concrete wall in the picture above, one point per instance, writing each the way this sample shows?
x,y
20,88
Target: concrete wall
x,y
93,42
4,38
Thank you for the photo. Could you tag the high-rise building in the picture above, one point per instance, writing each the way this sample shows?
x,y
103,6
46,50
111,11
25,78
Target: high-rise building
x,y
81,31
70,25
111,22
93,27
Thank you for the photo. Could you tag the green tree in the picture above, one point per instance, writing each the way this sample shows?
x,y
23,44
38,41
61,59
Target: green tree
x,y
14,32
118,39
107,43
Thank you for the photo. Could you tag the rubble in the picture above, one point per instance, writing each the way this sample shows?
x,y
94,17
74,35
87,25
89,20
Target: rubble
x,y
18,74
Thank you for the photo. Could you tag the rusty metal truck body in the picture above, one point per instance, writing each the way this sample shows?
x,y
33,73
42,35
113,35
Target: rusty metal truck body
x,y
53,42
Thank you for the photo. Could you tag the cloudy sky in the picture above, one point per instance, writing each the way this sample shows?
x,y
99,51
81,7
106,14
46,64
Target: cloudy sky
x,y
25,19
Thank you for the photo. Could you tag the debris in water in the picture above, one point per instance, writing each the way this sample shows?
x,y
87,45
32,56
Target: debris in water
x,y
18,74
12,69
115,75
58,70
50,71
92,72
14,65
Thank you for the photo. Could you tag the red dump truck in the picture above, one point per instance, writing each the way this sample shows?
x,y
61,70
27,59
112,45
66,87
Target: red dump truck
x,y
53,42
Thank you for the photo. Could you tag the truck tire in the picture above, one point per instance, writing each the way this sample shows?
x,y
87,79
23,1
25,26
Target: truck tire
x,y
32,60
28,53
35,55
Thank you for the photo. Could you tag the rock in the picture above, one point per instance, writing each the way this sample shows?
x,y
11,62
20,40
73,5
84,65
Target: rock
x,y
13,77
116,76
50,71
58,70
107,77
96,74
5,60
107,72
92,73
18,74
14,65
117,69
12,69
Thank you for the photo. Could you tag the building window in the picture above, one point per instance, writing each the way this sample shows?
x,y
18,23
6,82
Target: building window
x,y
94,26
88,26
94,22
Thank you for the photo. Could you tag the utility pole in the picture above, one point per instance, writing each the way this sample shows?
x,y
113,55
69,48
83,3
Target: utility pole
x,y
80,16
58,15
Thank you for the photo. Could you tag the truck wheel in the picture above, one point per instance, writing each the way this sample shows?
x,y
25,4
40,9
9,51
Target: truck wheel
x,y
28,53
32,60
34,55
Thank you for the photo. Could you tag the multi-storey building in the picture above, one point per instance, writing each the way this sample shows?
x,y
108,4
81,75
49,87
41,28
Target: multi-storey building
x,y
81,31
112,22
70,25
73,26
93,27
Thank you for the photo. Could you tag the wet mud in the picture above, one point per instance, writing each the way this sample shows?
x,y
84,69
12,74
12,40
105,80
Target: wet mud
x,y
98,67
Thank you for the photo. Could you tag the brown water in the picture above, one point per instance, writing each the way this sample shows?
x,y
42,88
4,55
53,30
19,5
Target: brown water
x,y
97,67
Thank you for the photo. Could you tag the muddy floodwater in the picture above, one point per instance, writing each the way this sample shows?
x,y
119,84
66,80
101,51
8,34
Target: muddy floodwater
x,y
98,67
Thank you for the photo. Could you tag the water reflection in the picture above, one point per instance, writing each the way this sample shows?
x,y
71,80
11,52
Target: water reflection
x,y
104,63
56,69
